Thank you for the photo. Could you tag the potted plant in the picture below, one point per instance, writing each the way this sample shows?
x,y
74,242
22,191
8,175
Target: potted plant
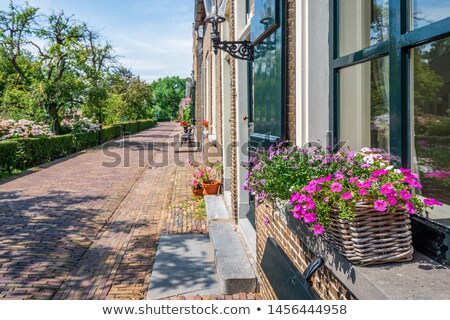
x,y
185,126
357,200
196,184
207,176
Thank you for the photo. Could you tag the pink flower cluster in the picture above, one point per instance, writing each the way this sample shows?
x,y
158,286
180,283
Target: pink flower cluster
x,y
10,129
369,182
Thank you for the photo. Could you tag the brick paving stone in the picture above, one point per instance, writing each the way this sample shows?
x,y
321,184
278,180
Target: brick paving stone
x,y
74,229
64,231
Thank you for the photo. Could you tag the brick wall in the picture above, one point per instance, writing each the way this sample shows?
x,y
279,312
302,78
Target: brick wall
x,y
291,70
324,282
197,67
219,113
234,163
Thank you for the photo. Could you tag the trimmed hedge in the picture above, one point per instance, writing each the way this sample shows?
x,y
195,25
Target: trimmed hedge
x,y
112,132
8,151
30,152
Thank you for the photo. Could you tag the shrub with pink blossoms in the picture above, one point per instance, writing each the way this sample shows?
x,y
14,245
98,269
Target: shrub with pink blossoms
x,y
79,125
367,179
11,129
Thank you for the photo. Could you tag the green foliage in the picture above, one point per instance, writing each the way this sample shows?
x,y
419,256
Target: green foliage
x,y
186,115
112,132
427,83
8,150
36,151
167,94
85,140
440,127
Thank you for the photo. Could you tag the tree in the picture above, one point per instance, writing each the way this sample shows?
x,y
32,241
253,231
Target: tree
x,y
96,61
60,84
167,94
130,99
16,25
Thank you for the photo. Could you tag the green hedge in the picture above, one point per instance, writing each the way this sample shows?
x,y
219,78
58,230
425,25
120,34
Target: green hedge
x,y
112,132
8,151
26,153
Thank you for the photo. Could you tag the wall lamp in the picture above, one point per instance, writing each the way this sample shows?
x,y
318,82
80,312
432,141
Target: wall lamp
x,y
215,14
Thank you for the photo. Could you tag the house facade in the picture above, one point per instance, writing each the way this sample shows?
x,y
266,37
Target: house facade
x,y
345,73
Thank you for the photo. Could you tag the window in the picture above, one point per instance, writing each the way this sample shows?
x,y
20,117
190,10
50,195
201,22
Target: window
x,y
431,115
428,11
364,90
362,23
390,89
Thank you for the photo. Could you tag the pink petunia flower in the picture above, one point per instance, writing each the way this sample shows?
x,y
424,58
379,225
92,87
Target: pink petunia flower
x,y
347,196
363,192
387,188
392,201
339,176
405,195
318,229
410,208
353,179
431,202
326,200
380,205
294,197
336,187
310,218
310,205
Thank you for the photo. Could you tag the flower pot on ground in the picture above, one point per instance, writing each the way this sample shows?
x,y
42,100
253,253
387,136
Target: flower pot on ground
x,y
357,200
196,184
211,188
207,177
197,192
185,126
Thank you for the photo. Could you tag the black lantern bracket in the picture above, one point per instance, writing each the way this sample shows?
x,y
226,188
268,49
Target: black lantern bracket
x,y
243,50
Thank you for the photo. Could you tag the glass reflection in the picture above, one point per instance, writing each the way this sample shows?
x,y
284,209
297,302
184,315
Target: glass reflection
x,y
425,12
431,72
362,23
364,105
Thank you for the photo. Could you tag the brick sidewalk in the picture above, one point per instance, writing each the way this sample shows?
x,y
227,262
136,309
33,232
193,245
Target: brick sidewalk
x,y
75,229
65,233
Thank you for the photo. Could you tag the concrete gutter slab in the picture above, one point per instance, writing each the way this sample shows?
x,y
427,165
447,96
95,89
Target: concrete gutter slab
x,y
215,208
234,271
183,265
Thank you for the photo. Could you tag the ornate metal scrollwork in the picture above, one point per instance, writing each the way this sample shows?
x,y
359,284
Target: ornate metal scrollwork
x,y
238,49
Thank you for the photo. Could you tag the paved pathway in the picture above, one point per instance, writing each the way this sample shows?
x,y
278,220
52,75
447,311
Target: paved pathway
x,y
79,230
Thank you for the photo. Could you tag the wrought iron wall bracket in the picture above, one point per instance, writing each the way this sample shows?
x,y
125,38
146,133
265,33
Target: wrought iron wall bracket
x,y
237,49
243,50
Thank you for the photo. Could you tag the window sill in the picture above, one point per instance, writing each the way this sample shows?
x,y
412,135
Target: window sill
x,y
420,279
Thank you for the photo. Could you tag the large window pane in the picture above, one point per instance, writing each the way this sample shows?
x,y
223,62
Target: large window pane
x,y
362,23
364,105
431,153
428,11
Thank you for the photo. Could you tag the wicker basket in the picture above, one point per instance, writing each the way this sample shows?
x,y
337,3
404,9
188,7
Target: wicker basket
x,y
373,237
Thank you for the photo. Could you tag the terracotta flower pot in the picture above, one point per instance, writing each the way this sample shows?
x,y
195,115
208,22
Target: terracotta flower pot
x,y
197,192
212,188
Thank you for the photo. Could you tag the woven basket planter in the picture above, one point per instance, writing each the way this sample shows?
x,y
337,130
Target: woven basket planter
x,y
373,237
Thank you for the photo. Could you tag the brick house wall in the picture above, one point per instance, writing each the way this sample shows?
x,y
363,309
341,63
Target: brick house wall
x,y
291,70
197,67
324,281
233,121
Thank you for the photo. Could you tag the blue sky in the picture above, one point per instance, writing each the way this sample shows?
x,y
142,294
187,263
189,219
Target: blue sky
x,y
152,37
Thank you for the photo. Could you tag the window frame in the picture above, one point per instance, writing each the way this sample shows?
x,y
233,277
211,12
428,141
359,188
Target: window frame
x,y
402,39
